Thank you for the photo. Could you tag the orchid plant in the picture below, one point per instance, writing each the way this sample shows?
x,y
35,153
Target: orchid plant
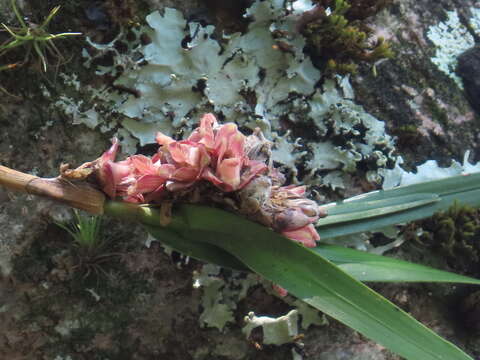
x,y
216,196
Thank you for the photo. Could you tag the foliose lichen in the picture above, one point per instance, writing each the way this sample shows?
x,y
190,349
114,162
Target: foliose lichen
x,y
221,294
276,331
260,78
430,170
451,38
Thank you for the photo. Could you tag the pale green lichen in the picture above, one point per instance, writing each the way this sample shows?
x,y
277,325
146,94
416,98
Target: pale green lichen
x,y
309,315
276,331
220,294
428,171
451,38
362,136
247,79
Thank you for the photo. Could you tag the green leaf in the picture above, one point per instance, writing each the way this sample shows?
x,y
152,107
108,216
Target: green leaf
x,y
305,274
368,209
198,250
399,205
149,216
364,266
316,281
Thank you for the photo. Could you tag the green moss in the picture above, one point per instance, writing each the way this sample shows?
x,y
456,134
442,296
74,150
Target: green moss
x,y
438,114
340,40
455,235
407,135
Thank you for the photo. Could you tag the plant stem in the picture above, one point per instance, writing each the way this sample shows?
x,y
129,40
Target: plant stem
x,y
79,195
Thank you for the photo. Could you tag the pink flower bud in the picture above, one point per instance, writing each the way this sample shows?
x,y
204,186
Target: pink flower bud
x,y
306,235
290,219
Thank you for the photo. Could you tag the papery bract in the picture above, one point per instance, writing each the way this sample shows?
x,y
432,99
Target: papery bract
x,y
204,133
112,174
306,235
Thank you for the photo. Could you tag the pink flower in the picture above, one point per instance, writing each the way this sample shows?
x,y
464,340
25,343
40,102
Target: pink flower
x,y
187,160
112,174
306,235
204,134
233,168
149,176
132,177
115,177
213,153
223,156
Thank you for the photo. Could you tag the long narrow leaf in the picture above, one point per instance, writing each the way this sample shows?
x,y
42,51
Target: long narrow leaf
x,y
308,276
364,266
150,218
368,209
198,250
316,281
463,188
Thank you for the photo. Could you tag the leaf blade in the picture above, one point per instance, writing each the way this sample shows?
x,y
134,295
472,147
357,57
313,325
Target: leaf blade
x,y
364,266
307,275
464,189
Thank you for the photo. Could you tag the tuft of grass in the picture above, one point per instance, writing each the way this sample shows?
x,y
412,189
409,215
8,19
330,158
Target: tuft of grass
x,y
34,38
86,232
91,247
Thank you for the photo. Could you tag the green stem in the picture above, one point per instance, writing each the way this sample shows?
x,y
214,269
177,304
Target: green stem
x,y
145,214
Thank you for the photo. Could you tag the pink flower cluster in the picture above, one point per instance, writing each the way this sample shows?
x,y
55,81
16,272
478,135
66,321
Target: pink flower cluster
x,y
216,154
213,152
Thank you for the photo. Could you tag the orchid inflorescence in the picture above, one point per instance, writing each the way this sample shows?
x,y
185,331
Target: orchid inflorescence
x,y
216,169
215,163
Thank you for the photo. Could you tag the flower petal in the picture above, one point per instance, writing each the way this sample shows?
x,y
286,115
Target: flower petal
x,y
177,186
146,184
143,165
111,174
306,235
229,172
163,139
111,153
204,133
222,140
210,176
184,174
166,170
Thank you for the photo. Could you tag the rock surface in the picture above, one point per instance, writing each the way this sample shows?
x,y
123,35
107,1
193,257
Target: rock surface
x,y
136,303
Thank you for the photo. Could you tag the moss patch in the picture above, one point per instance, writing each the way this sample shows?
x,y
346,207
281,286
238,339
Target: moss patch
x,y
337,37
455,235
